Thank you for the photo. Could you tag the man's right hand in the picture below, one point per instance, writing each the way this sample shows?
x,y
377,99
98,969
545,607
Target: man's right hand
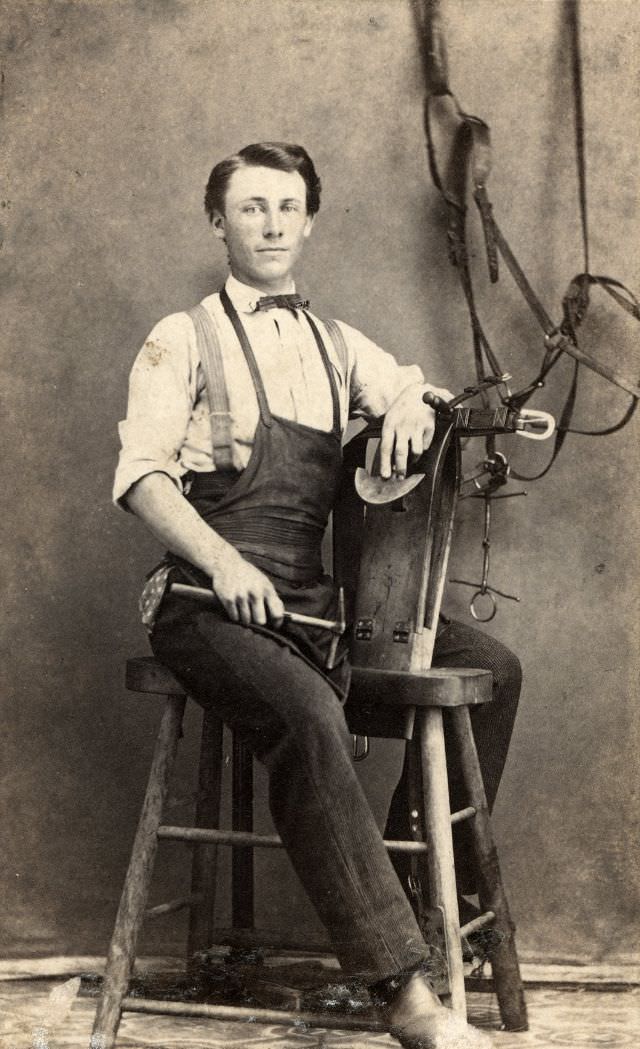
x,y
245,593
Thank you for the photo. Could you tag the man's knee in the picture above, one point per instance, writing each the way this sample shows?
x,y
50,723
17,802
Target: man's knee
x,y
314,733
506,668
465,646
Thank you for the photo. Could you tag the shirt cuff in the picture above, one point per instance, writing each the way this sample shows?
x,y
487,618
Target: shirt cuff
x,y
129,474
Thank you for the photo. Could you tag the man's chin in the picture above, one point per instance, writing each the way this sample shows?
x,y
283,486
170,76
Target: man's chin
x,y
276,271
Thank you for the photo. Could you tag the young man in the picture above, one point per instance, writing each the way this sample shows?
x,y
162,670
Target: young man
x,y
231,456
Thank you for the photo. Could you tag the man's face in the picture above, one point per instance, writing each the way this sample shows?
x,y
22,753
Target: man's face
x,y
264,225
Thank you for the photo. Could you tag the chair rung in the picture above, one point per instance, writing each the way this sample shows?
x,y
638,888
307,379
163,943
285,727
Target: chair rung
x,y
339,1020
172,905
477,923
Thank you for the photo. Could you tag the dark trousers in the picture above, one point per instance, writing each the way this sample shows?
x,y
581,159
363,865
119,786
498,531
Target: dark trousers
x,y
295,725
458,645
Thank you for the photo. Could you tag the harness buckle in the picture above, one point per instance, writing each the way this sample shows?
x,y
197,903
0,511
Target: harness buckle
x,y
535,425
555,339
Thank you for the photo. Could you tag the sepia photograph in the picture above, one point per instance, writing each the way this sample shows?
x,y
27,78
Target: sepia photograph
x,y
321,657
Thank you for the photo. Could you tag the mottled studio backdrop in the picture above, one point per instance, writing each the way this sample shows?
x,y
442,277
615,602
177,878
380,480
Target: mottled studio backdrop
x,y
114,111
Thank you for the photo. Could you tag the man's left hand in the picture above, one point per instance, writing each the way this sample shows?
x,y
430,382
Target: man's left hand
x,y
407,429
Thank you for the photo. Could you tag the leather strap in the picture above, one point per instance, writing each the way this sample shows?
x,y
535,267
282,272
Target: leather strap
x,y
470,157
210,353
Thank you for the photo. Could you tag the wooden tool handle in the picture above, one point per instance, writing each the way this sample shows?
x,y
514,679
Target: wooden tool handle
x,y
208,597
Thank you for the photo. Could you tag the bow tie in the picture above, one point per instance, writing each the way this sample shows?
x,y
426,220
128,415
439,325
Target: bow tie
x,y
282,302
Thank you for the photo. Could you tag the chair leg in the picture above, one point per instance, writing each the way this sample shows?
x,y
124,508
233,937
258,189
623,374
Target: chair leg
x,y
242,882
138,879
442,876
504,958
204,866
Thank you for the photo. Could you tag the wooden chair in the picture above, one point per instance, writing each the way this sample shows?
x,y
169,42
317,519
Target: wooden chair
x,y
395,694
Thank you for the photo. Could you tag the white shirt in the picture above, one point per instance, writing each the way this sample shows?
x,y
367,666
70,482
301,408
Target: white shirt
x,y
167,425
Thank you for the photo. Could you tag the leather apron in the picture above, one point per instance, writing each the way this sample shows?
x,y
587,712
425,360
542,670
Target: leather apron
x,y
275,513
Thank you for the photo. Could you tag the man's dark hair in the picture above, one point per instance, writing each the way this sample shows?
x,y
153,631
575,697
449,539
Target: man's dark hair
x,y
284,156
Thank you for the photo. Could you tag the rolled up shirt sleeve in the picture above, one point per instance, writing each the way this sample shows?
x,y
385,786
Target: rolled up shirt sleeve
x,y
376,378
162,394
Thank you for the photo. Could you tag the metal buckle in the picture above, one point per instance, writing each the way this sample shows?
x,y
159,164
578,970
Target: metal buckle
x,y
554,339
360,753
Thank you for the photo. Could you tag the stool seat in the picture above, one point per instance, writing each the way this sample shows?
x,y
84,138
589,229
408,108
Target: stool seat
x,y
146,674
435,687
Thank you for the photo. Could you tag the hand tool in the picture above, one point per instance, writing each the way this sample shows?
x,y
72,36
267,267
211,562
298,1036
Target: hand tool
x,y
335,626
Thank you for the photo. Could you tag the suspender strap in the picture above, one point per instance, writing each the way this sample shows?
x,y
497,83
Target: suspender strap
x,y
252,364
210,352
336,337
339,345
327,364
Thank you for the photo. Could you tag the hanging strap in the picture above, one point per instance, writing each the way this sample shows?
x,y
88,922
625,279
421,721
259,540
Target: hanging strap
x,y
470,157
210,353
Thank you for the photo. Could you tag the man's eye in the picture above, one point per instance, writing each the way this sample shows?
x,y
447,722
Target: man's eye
x,y
251,209
290,207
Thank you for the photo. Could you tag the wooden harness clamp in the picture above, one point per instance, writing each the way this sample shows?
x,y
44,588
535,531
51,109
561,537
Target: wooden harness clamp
x,y
408,523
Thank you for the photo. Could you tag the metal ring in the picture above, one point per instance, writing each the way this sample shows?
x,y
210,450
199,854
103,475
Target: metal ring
x,y
472,606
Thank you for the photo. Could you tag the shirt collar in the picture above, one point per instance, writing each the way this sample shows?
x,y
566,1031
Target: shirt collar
x,y
243,296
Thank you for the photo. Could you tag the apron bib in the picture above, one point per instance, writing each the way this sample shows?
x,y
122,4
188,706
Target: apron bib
x,y
275,513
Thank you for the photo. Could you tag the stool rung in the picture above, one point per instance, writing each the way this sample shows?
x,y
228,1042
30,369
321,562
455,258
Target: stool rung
x,y
463,814
207,836
173,905
267,939
477,923
341,1021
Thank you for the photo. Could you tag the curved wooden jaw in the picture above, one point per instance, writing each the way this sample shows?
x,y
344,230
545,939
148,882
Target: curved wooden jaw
x,y
374,489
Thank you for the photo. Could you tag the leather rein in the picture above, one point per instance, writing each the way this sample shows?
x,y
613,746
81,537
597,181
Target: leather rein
x,y
470,160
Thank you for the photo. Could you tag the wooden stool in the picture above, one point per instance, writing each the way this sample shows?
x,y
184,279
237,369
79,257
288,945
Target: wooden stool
x,y
389,704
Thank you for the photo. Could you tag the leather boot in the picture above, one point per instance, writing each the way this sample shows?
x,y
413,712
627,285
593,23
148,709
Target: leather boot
x,y
419,1021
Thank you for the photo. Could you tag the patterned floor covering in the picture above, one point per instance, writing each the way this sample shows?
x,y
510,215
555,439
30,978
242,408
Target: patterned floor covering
x,y
47,1014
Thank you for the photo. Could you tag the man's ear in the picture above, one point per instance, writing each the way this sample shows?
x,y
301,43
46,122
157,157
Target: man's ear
x,y
309,225
218,224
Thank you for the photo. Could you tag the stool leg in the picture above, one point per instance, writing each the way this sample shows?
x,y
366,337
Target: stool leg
x,y
204,866
442,876
137,882
504,959
419,876
242,904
